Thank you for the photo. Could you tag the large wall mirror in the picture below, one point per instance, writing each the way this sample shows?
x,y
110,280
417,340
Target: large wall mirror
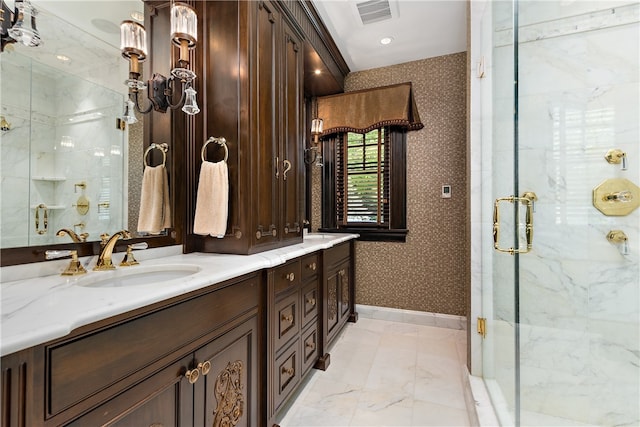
x,y
65,161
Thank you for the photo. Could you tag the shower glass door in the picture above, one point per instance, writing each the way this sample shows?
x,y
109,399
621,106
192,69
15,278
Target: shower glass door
x,y
564,342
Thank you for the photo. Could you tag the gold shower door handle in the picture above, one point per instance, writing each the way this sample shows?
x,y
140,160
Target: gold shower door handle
x,y
46,218
527,200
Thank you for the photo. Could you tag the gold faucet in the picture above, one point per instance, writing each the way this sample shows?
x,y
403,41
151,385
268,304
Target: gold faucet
x,y
77,238
108,243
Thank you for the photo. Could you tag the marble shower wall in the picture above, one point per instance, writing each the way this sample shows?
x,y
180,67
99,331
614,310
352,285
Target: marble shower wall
x,y
579,296
63,133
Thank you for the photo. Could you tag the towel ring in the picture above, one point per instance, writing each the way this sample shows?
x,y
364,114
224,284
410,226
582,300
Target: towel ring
x,y
220,141
164,147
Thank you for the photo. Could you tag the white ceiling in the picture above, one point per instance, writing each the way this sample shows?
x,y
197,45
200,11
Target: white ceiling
x,y
419,28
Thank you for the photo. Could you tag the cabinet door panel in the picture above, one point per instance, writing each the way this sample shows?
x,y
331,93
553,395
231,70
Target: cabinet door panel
x,y
264,127
291,75
309,302
345,289
309,347
331,319
287,320
169,402
227,394
287,374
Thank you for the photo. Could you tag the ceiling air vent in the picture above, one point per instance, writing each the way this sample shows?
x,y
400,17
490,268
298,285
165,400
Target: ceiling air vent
x,y
374,11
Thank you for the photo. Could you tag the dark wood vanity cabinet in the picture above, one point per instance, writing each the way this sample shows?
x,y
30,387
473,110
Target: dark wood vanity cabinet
x,y
293,326
189,361
338,290
309,300
233,353
252,94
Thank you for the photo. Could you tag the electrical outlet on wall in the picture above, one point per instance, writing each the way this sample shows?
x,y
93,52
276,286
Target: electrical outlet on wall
x,y
446,191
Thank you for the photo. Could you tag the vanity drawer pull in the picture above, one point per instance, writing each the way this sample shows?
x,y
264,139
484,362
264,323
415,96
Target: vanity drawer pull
x,y
290,277
192,375
204,367
288,371
313,266
288,319
310,345
311,301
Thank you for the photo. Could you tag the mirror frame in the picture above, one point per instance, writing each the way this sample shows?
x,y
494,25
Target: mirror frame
x,y
158,127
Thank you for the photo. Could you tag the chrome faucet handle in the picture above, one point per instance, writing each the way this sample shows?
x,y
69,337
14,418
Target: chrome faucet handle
x,y
55,254
139,246
129,259
74,268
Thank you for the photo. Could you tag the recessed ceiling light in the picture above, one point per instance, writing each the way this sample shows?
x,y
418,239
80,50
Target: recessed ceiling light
x,y
386,40
138,16
63,58
318,71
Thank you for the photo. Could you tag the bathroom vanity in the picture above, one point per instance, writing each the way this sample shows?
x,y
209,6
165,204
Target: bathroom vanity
x,y
226,344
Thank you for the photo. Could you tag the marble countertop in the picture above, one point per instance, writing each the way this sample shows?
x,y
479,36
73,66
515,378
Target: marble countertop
x,y
39,309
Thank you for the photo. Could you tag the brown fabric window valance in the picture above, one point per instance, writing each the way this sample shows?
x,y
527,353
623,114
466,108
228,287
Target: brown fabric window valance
x,y
364,110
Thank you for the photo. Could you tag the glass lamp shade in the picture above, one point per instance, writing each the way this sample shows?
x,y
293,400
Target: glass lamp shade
x,y
316,126
190,105
184,25
24,30
133,40
129,115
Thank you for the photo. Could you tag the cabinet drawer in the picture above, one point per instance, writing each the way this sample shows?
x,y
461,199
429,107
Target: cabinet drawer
x,y
286,320
310,266
88,364
309,347
336,254
286,374
309,302
287,276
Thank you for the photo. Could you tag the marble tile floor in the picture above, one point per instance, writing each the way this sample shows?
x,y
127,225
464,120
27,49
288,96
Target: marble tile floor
x,y
386,373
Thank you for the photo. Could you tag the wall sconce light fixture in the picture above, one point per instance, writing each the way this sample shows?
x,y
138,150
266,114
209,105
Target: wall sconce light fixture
x,y
133,44
317,125
19,25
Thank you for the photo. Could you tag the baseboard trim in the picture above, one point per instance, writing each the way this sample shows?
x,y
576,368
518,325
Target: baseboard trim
x,y
423,318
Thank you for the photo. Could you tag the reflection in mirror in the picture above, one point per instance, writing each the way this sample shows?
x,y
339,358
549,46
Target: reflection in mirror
x,y
66,162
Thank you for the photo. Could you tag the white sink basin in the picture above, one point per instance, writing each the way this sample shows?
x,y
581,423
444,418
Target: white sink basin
x,y
137,275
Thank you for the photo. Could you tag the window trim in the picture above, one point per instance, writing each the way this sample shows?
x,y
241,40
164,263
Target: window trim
x,y
397,228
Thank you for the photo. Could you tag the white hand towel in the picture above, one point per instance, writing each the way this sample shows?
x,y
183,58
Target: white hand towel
x,y
212,203
155,206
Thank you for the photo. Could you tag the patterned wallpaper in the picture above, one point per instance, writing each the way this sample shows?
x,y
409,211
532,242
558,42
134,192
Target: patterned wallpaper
x,y
429,272
136,169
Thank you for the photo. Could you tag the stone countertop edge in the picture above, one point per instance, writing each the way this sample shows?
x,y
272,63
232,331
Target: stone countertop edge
x,y
40,309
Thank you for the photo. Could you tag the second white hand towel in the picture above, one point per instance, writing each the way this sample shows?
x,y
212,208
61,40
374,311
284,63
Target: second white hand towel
x,y
212,203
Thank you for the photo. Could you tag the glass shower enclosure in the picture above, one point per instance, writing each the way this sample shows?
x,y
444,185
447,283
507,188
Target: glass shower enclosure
x,y
561,151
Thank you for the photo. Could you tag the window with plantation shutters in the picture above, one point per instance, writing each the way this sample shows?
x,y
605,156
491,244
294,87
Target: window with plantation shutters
x,y
362,179
364,186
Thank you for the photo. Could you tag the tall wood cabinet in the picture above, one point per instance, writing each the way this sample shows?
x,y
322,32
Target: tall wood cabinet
x,y
251,82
